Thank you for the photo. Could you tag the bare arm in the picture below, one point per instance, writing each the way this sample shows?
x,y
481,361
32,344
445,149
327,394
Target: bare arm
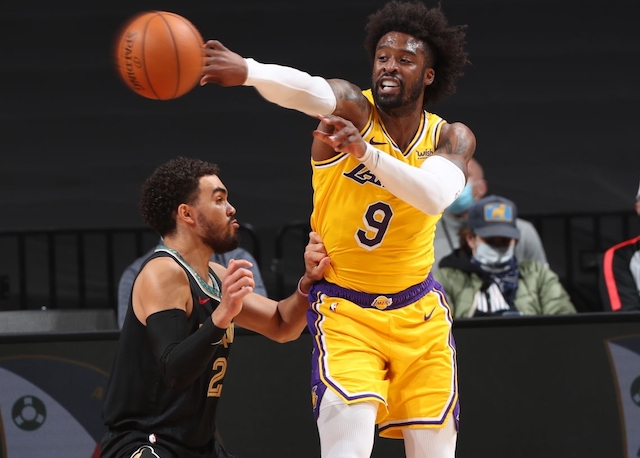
x,y
161,285
284,320
352,105
457,144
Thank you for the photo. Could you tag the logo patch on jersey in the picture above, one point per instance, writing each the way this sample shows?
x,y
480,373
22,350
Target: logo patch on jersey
x,y
145,452
229,335
374,143
314,397
382,302
362,175
203,300
424,154
333,306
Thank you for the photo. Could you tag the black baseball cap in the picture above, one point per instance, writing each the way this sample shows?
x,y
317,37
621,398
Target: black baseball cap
x,y
494,216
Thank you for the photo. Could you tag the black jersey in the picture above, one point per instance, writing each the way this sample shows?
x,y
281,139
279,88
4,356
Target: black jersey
x,y
137,398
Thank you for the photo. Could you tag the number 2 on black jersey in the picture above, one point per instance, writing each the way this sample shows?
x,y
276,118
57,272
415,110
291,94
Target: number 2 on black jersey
x,y
215,384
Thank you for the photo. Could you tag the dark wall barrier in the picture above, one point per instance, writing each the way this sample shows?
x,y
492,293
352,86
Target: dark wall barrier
x,y
77,268
530,387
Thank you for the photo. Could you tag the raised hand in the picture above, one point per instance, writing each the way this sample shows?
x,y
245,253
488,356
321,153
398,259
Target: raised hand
x,y
345,137
223,66
237,283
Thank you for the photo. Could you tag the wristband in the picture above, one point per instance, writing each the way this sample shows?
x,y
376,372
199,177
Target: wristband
x,y
300,292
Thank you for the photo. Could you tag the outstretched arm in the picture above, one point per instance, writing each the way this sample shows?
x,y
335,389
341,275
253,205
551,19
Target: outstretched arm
x,y
284,86
430,188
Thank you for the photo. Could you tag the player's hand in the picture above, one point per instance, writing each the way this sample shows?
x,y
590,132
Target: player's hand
x,y
237,283
345,137
316,260
223,66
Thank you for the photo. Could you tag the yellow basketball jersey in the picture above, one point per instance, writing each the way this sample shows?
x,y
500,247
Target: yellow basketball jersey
x,y
377,243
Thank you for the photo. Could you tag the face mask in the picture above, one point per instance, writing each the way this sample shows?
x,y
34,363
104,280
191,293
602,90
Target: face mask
x,y
463,202
491,255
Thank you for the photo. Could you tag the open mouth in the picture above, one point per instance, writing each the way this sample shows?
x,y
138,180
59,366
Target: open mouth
x,y
388,84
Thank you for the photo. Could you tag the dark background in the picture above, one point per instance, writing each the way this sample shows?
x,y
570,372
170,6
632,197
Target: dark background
x,y
551,98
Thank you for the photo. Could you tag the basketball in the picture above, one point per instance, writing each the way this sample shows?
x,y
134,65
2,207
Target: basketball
x,y
159,55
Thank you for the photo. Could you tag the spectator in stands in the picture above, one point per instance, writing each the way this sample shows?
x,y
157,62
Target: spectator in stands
x,y
621,273
454,217
484,277
129,275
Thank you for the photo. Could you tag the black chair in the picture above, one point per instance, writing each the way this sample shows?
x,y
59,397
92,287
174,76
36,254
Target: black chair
x,y
287,264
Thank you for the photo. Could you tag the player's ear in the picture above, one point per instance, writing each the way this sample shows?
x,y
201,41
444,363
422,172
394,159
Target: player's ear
x,y
185,213
429,76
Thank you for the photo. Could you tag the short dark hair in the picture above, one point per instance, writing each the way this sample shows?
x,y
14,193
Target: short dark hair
x,y
173,183
430,25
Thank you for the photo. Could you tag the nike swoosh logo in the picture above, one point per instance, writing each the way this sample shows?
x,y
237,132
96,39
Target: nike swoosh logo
x,y
374,143
203,301
426,317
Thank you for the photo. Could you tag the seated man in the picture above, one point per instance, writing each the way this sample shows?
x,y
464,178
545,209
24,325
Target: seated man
x,y
484,277
129,274
621,273
455,217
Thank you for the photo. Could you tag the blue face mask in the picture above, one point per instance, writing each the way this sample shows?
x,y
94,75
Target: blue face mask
x,y
463,202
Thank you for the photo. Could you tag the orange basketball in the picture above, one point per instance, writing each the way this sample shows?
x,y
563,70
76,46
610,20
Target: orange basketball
x,y
159,55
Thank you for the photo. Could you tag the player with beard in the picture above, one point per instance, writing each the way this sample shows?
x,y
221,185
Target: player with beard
x,y
173,350
384,169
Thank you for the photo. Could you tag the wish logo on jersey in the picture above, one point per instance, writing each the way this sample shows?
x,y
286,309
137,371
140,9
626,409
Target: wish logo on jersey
x,y
625,358
50,407
424,154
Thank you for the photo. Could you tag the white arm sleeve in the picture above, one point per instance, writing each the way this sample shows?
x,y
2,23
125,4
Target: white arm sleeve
x,y
430,188
291,88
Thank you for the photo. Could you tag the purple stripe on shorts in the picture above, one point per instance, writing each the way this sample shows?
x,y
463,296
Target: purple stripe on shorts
x,y
375,301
